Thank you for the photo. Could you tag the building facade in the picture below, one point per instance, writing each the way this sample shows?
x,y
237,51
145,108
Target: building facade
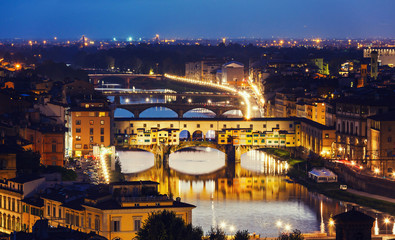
x,y
88,125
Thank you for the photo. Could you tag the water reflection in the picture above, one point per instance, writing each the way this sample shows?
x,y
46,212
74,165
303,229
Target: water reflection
x,y
197,161
253,194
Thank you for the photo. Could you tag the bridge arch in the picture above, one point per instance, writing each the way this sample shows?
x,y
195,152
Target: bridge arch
x,y
121,112
158,112
184,135
210,135
232,113
198,112
197,135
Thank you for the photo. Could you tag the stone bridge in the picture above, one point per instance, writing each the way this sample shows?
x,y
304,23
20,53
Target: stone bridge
x,y
127,77
179,108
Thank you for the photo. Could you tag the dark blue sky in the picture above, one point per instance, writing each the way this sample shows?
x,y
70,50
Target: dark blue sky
x,y
198,18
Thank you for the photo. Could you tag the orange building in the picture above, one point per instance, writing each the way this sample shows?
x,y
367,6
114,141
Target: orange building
x,y
48,141
88,126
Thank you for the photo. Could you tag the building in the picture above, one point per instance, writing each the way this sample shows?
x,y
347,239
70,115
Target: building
x,y
115,211
381,143
88,125
12,192
317,138
154,136
351,120
386,56
204,70
233,74
48,140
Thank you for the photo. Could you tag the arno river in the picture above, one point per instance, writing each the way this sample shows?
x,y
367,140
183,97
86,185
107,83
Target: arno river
x,y
254,194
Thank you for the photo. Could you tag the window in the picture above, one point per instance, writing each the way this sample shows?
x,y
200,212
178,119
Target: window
x,y
102,114
171,125
131,125
185,125
264,125
78,130
54,211
137,224
91,139
90,131
277,125
198,125
78,146
238,125
91,122
115,226
48,210
89,222
224,125
97,223
102,122
290,125
144,125
251,126
211,125
78,138
53,148
389,139
101,138
158,125
60,213
91,114
101,131
77,122
327,135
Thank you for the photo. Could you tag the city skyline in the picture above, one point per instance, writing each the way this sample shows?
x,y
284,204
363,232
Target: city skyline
x,y
197,19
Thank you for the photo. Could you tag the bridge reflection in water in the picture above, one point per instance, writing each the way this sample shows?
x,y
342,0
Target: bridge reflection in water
x,y
252,194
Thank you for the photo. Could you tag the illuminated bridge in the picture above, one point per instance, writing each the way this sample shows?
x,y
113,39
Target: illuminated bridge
x,y
179,108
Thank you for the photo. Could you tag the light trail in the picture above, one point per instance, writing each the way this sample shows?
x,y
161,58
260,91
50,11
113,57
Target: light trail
x,y
242,94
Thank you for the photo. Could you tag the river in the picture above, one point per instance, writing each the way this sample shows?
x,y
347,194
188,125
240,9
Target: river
x,y
254,194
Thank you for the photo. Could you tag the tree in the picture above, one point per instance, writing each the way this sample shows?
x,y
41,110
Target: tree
x,y
166,226
295,235
242,235
216,234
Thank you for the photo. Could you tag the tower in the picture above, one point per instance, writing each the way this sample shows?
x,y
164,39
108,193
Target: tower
x,y
374,55
364,74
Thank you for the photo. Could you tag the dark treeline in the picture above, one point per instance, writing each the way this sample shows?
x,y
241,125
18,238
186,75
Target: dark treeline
x,y
161,58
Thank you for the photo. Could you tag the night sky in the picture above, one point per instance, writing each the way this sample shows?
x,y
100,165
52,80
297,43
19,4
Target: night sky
x,y
41,19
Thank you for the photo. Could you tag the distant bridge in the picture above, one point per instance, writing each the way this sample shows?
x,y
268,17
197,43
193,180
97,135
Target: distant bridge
x,y
127,77
179,108
130,92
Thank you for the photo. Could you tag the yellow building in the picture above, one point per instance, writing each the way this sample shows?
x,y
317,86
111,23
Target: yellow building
x,y
154,136
380,144
89,125
115,211
32,210
12,192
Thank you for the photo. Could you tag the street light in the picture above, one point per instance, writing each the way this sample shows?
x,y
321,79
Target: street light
x,y
189,100
287,227
377,171
386,221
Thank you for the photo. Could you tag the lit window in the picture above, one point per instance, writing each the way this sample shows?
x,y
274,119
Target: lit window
x,y
102,114
91,122
101,122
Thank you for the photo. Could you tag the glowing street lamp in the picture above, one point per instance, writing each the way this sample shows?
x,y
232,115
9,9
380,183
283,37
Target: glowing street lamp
x,y
209,101
386,221
377,171
223,225
189,100
287,227
232,228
